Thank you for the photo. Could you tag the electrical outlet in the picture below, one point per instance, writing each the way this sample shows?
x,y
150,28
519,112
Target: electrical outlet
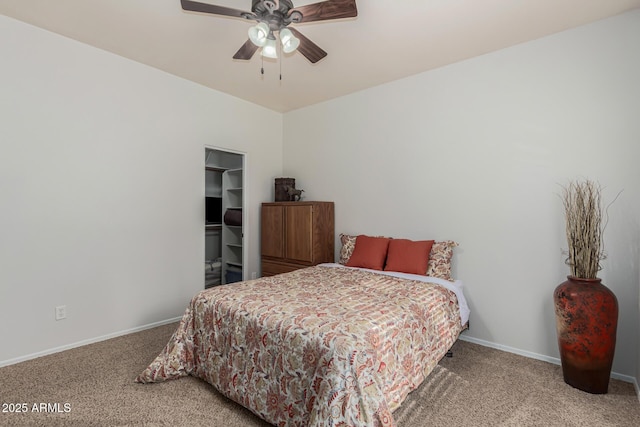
x,y
253,275
61,312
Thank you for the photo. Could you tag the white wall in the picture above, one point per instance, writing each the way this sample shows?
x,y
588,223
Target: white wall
x,y
101,179
477,152
102,188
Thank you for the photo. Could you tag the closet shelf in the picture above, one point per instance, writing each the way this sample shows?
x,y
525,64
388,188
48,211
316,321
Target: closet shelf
x,y
215,168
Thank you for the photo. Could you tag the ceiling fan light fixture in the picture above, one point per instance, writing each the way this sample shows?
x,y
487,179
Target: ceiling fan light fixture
x,y
269,49
289,42
258,34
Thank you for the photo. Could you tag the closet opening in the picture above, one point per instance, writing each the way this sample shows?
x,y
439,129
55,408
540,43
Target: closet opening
x,y
224,217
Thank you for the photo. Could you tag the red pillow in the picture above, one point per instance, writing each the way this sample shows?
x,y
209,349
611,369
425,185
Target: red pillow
x,y
369,252
408,256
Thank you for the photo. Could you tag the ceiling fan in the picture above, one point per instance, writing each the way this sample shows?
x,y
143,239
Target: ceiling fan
x,y
276,16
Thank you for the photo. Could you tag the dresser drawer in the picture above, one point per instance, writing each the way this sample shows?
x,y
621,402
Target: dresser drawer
x,y
271,268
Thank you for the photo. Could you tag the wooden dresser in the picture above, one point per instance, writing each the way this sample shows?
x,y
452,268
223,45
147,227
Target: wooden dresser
x,y
296,235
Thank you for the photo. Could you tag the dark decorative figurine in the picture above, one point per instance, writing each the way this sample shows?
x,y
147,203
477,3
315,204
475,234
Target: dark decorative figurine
x,y
294,195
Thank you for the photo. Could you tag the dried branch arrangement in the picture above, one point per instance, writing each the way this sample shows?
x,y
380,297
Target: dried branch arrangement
x,y
584,215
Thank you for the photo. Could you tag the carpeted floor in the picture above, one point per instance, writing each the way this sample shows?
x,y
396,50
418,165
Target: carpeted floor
x,y
478,386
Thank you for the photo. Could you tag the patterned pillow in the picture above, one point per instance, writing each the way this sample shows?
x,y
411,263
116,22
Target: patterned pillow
x,y
440,259
348,245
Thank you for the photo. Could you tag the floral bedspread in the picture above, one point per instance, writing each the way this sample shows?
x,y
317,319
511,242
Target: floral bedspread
x,y
319,346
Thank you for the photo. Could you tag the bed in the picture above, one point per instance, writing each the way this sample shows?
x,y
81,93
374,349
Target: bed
x,y
328,345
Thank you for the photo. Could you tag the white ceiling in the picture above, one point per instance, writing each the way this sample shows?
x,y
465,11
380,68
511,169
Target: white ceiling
x,y
387,41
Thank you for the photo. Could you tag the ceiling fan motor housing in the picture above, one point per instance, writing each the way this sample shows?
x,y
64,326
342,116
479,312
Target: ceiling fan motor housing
x,y
275,15
261,6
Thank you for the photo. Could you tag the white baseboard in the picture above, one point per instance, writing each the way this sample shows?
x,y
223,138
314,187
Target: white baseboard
x,y
554,360
86,342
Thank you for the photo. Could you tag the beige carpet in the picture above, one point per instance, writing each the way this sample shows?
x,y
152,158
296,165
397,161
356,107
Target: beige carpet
x,y
479,386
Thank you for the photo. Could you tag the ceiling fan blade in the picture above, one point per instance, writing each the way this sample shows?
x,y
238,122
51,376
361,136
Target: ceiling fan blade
x,y
309,49
195,6
330,9
246,51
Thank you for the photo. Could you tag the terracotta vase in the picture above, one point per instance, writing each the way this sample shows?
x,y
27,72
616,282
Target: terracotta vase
x,y
586,323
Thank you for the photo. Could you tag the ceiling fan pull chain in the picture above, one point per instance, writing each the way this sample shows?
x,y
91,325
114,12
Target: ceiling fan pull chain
x,y
262,65
280,59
